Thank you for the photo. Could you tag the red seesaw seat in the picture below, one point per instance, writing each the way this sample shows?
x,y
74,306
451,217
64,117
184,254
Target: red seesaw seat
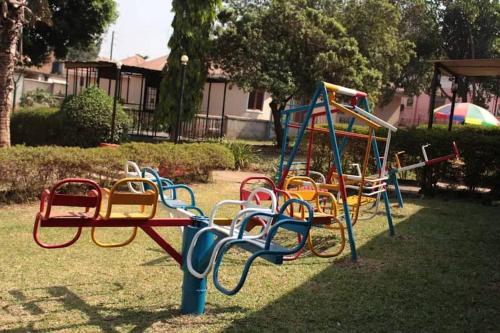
x,y
57,198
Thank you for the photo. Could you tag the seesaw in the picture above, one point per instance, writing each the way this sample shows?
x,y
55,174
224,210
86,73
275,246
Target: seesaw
x,y
455,155
101,208
168,191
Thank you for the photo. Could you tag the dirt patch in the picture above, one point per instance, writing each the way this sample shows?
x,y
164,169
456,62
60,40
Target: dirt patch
x,y
232,176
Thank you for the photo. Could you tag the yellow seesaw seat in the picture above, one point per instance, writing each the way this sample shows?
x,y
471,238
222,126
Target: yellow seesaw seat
x,y
134,206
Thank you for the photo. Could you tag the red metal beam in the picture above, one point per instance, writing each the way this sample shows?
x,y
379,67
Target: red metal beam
x,y
339,133
116,223
163,243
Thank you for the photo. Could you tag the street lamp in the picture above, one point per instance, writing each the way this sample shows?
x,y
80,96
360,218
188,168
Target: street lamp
x,y
454,89
117,96
184,61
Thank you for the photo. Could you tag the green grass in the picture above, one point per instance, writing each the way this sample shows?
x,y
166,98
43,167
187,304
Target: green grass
x,y
440,273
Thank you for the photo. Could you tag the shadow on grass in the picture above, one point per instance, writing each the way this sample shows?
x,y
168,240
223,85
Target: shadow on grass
x,y
105,318
441,272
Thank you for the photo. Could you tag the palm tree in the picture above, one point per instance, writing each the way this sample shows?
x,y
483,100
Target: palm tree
x,y
13,15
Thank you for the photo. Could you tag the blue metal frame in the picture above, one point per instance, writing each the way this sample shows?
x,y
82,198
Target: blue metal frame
x,y
280,221
321,91
172,202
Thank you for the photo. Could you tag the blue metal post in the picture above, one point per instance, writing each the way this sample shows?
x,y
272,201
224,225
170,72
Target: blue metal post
x,y
194,290
387,204
338,166
393,179
302,130
284,143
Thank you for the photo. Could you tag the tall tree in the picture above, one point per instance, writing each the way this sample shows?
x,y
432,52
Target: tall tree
x,y
193,23
284,47
71,23
375,24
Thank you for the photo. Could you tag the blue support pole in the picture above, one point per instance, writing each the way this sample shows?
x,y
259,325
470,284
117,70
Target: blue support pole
x,y
302,130
393,179
338,166
387,204
284,143
194,290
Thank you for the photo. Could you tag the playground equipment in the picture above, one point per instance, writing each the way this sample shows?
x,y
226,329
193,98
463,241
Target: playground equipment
x,y
393,172
248,207
304,188
325,98
168,191
61,208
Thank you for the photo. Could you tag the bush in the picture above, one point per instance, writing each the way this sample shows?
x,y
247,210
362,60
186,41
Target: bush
x,y
38,98
26,171
87,119
36,127
479,148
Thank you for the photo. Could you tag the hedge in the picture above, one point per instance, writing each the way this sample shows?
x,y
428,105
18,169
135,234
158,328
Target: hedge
x,y
36,126
26,171
479,148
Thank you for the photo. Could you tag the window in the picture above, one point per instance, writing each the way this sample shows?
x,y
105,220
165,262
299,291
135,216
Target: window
x,y
409,101
151,98
256,100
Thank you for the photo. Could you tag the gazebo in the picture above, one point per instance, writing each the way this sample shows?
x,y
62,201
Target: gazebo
x,y
459,68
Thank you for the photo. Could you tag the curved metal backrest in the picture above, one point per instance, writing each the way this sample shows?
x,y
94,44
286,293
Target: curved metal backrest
x,y
147,198
244,193
52,198
167,185
309,194
299,226
134,173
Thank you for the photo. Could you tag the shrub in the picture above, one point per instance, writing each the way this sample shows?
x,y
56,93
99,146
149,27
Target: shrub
x,y
479,148
36,127
39,97
87,119
26,171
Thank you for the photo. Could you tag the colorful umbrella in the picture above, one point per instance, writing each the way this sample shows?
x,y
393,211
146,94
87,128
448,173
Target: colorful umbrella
x,y
467,113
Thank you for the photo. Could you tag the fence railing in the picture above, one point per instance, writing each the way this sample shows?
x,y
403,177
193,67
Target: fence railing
x,y
201,128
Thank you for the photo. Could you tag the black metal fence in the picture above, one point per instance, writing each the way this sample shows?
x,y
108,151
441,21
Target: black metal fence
x,y
198,128
201,128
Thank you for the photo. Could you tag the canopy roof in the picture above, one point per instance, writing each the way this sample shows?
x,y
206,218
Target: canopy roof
x,y
469,67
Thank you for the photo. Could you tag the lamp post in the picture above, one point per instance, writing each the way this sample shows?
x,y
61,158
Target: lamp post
x,y
184,61
117,96
454,89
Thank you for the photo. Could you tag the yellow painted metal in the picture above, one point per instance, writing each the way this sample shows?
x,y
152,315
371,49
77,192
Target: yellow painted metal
x,y
321,219
355,115
114,197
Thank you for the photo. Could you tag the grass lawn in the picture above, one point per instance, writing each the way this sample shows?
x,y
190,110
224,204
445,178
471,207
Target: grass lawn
x,y
441,273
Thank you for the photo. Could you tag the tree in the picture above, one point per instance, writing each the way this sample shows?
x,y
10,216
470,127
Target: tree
x,y
375,24
284,47
56,25
84,53
193,23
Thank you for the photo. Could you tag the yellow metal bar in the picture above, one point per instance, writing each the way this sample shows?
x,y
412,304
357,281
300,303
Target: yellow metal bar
x,y
356,115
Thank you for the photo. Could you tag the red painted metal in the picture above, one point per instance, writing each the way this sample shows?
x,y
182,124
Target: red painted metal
x,y
338,133
52,198
163,244
65,221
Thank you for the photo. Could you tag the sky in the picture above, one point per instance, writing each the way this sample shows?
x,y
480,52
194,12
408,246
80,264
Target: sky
x,y
143,27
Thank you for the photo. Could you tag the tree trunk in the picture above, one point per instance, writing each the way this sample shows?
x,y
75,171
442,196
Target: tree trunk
x,y
278,129
9,36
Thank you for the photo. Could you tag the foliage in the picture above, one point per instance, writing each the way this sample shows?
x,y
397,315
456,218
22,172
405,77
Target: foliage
x,y
479,149
26,171
87,119
36,126
85,53
39,97
73,24
308,43
192,24
458,29
375,24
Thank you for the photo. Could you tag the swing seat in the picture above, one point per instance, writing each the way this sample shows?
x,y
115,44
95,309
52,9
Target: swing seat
x,y
166,186
352,200
53,198
264,247
141,206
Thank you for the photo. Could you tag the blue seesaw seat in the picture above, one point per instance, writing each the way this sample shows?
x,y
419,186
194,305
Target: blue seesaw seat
x,y
260,245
